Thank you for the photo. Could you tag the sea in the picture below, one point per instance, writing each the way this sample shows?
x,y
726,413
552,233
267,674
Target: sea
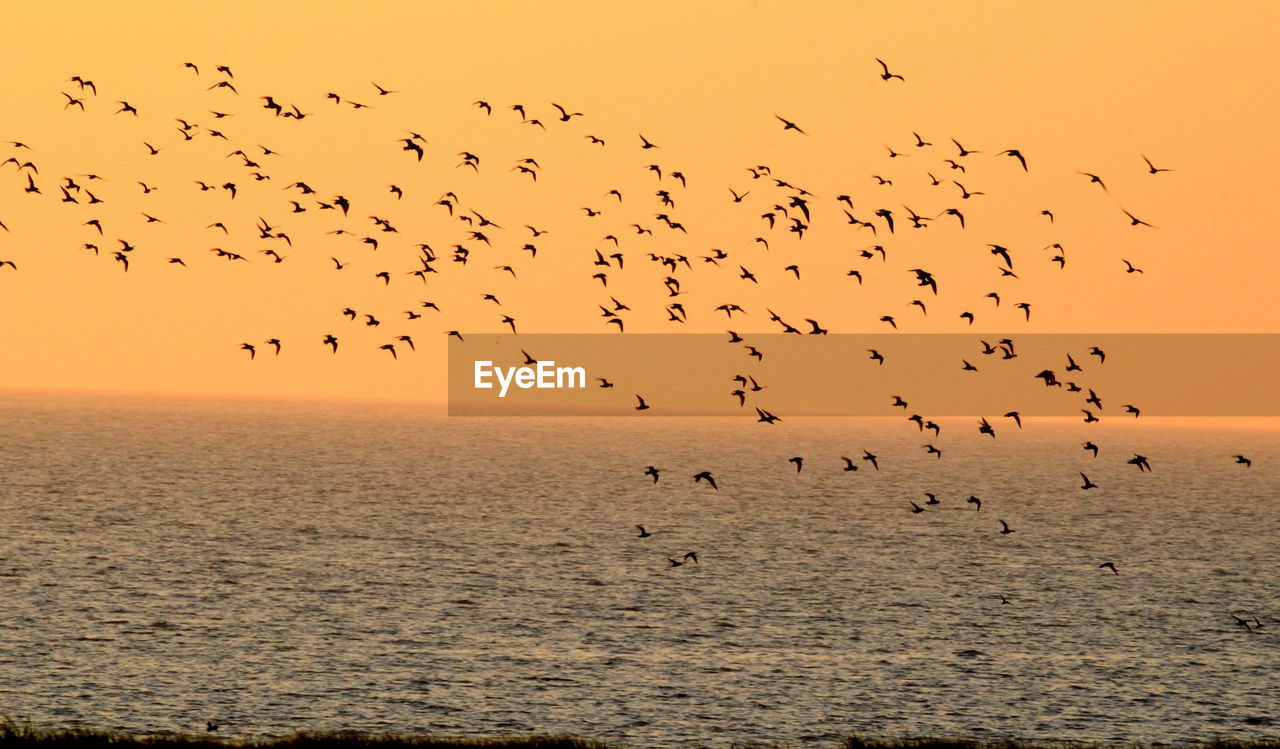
x,y
291,565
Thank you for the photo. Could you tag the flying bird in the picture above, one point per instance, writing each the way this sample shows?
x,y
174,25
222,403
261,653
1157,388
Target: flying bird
x,y
1152,168
1135,221
886,75
789,125
1015,153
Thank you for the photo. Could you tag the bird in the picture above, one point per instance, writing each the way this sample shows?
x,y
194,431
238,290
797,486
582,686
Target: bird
x,y
1152,168
1135,221
915,508
977,503
1006,529
246,346
564,115
1109,565
924,278
652,471
1015,153
1087,483
886,75
799,461
1140,461
1242,460
643,533
706,476
848,464
789,125
867,456
1093,178
1092,448
642,406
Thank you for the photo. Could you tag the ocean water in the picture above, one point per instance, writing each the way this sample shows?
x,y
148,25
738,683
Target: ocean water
x,y
277,566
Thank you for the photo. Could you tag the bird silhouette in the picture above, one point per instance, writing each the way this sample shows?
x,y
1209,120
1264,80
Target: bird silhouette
x,y
1152,168
886,75
789,125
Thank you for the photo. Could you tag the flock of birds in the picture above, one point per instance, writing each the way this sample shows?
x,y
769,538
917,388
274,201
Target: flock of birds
x,y
780,209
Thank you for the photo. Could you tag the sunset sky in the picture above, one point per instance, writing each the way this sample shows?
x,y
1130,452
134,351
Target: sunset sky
x,y
1075,87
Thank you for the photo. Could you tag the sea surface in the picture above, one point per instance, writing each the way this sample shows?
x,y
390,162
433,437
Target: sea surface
x,y
307,565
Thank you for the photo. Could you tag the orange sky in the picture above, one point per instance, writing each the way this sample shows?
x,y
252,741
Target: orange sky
x,y
1089,86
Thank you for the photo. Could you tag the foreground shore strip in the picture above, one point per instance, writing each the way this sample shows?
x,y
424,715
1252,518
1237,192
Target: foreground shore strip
x,y
13,735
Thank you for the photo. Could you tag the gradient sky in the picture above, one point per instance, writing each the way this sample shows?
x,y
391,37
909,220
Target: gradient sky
x,y
1085,86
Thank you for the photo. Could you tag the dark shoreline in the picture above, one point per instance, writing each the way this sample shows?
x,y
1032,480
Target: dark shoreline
x,y
14,735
